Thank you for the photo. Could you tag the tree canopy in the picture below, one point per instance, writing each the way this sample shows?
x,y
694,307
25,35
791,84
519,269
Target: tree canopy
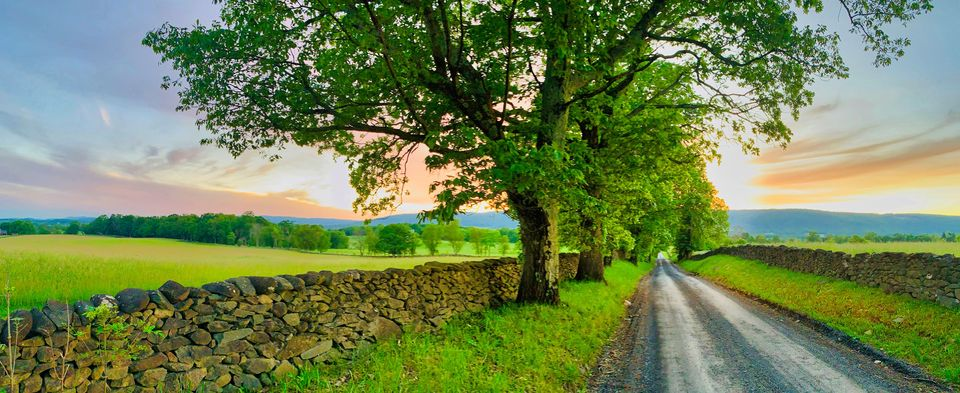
x,y
488,87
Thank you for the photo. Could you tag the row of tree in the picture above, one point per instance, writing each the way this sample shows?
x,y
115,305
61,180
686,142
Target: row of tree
x,y
590,121
869,237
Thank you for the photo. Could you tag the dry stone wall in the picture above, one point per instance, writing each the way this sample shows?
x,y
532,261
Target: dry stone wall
x,y
244,332
921,276
569,263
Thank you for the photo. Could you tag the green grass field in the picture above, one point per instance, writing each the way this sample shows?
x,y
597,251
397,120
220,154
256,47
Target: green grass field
x,y
858,248
919,332
531,348
70,268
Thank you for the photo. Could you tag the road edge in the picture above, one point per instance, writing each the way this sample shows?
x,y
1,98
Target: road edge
x,y
614,349
908,370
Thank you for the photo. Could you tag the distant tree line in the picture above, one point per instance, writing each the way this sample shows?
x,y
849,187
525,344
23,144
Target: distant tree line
x,y
251,230
869,237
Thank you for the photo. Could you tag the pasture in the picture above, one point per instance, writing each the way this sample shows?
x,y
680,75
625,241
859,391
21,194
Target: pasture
x,y
70,268
858,248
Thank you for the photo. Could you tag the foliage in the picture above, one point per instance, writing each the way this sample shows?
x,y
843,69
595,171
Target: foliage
x,y
513,348
490,91
310,237
18,227
917,331
431,236
397,239
117,337
339,240
483,240
453,234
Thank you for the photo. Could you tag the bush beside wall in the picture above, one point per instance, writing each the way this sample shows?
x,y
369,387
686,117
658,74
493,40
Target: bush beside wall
x,y
243,332
921,276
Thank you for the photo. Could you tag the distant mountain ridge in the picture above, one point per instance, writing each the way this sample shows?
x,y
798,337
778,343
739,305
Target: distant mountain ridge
x,y
797,222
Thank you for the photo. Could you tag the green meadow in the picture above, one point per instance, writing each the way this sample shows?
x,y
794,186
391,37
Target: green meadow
x,y
70,268
859,248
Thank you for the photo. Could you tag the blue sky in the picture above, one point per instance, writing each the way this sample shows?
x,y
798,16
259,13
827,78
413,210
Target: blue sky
x,y
85,129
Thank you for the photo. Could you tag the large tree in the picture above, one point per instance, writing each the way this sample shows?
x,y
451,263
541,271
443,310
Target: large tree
x,y
487,86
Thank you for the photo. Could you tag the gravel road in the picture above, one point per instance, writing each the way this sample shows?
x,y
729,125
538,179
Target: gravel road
x,y
688,335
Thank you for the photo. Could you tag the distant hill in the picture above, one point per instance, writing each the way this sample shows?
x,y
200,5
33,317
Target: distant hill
x,y
481,220
52,221
797,222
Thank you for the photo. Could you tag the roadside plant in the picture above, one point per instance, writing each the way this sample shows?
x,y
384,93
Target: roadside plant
x,y
13,325
116,336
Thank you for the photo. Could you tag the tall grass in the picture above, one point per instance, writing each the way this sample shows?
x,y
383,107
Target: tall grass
x,y
531,348
75,267
920,332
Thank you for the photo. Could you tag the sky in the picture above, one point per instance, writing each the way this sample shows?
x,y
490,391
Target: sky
x,y
85,129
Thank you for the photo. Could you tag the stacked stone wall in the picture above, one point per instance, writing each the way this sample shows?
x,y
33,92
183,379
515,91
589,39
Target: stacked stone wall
x,y
921,276
244,332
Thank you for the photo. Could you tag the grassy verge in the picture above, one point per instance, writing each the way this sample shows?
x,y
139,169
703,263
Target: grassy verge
x,y
513,348
919,332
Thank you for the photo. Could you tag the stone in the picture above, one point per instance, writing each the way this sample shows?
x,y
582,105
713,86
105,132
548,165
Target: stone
x,y
309,279
221,288
33,384
236,346
20,322
190,354
259,365
104,300
258,338
218,326
382,328
172,343
148,362
174,292
115,373
243,284
285,369
208,361
161,301
234,335
193,378
201,337
297,345
80,307
47,354
98,387
292,319
263,285
42,325
248,382
320,349
283,285
132,300
152,377
60,314
226,306
298,283
279,309
223,380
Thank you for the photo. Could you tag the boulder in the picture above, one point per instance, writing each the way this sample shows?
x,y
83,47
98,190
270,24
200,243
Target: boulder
x,y
174,292
152,377
200,337
161,301
221,288
132,300
244,285
42,325
100,300
152,361
263,285
60,314
259,365
21,322
297,345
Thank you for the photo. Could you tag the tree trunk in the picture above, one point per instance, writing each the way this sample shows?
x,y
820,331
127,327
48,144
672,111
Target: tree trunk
x,y
590,267
538,235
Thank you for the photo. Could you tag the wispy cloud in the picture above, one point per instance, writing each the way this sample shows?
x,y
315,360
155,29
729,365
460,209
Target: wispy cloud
x,y
105,116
